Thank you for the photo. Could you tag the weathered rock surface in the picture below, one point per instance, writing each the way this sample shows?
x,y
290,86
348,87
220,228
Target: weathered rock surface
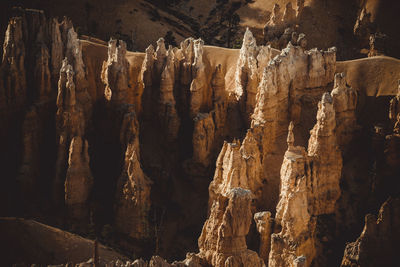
x,y
378,241
264,224
344,102
79,179
152,125
133,186
223,239
309,188
286,75
115,74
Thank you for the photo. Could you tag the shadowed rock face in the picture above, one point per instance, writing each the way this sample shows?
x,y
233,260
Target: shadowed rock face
x,y
377,242
118,145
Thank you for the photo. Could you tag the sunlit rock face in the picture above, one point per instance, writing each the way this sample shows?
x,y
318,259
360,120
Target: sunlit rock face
x,y
309,188
223,239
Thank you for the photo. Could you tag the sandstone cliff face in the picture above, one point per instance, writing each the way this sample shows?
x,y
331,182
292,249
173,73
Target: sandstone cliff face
x,y
223,239
378,240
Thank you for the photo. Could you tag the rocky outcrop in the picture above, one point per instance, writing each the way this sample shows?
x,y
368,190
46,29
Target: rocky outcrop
x,y
69,122
252,60
133,187
115,74
79,179
13,75
264,224
378,240
198,86
281,28
166,109
132,198
245,164
344,102
309,188
223,239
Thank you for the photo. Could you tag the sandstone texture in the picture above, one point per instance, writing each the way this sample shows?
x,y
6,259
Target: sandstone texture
x,y
196,155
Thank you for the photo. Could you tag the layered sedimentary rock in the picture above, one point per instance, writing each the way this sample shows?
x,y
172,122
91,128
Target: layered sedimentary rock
x,y
309,188
223,239
377,244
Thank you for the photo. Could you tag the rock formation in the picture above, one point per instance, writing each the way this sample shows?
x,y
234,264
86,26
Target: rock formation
x,y
133,187
223,239
79,179
166,110
344,102
378,240
309,188
264,224
13,73
244,164
70,123
133,138
281,28
115,74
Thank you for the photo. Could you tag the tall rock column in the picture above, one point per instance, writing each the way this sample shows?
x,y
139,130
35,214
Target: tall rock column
x,y
309,188
199,83
71,167
264,224
79,179
12,71
246,76
133,187
344,102
223,239
115,74
166,109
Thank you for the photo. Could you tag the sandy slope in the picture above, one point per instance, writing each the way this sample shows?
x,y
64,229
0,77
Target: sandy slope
x,y
29,241
376,76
